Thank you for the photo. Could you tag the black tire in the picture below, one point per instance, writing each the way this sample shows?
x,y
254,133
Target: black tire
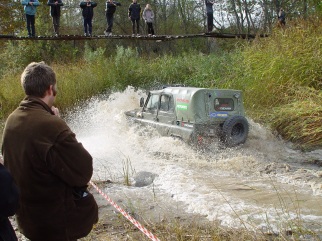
x,y
234,131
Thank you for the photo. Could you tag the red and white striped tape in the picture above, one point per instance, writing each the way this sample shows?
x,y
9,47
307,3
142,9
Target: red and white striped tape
x,y
125,214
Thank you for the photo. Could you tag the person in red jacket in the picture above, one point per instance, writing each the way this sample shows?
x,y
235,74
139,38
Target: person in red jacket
x,y
50,167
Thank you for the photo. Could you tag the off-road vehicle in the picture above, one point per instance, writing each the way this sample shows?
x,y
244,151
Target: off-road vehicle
x,y
196,115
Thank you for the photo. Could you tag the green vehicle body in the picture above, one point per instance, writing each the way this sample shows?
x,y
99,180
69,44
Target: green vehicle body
x,y
196,115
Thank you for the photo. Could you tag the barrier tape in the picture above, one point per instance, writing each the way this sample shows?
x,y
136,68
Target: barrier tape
x,y
125,214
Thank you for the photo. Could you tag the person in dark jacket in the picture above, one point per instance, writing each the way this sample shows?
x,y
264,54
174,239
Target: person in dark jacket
x,y
210,15
9,203
134,16
281,18
109,12
50,167
55,13
88,13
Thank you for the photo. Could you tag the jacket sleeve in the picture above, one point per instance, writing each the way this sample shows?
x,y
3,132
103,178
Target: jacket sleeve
x,y
82,4
94,4
130,10
36,3
9,201
25,2
70,161
50,3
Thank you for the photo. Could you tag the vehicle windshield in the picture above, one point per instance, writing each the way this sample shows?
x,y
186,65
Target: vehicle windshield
x,y
153,102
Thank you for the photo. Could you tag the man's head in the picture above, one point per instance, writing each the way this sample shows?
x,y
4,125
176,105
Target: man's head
x,y
39,80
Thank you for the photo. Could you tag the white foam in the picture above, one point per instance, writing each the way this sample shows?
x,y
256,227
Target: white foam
x,y
235,186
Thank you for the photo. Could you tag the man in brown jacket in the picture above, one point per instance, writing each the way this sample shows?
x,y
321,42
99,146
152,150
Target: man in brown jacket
x,y
50,167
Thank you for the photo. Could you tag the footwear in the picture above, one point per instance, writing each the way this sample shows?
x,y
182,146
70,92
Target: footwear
x,y
153,36
106,33
56,34
85,34
149,35
138,35
133,35
110,34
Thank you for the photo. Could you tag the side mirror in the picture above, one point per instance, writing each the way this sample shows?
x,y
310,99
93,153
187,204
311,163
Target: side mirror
x,y
141,102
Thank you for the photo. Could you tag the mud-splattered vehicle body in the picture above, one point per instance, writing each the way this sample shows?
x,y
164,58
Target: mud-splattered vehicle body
x,y
196,115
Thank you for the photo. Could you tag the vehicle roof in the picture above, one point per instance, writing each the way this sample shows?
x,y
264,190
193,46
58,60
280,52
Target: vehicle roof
x,y
191,104
177,89
192,90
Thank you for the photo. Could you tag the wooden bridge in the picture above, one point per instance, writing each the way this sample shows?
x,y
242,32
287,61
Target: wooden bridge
x,y
157,38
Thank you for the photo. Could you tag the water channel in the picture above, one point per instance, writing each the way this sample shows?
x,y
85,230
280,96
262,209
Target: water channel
x,y
263,184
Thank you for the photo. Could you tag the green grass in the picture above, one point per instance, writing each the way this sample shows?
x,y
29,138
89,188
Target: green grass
x,y
281,78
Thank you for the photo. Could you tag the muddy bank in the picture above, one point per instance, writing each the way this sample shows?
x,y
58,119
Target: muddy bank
x,y
263,185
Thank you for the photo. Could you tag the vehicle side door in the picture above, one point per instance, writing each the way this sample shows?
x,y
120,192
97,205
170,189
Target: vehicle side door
x,y
150,108
166,117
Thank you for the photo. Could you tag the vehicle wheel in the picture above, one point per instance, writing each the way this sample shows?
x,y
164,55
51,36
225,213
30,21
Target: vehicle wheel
x,y
234,131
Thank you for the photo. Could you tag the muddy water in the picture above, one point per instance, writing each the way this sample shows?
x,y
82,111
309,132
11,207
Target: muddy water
x,y
263,184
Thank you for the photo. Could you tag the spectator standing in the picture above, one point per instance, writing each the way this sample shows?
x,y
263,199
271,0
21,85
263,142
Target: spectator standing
x,y
50,167
148,16
109,12
88,13
55,13
9,203
30,8
210,15
281,18
134,16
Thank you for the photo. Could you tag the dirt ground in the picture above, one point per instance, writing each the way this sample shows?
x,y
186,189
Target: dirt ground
x,y
148,212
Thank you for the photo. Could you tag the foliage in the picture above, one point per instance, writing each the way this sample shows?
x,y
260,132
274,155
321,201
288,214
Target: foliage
x,y
300,122
11,14
280,73
172,17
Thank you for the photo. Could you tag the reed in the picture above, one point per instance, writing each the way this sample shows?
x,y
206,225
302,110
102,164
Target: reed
x,y
277,75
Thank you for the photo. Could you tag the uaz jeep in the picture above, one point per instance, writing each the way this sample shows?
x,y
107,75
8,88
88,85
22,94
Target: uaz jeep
x,y
195,115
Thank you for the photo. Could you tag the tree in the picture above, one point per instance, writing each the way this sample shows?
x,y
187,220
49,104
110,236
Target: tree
x,y
11,17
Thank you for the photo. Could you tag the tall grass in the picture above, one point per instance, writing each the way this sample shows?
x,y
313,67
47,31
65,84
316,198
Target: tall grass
x,y
281,78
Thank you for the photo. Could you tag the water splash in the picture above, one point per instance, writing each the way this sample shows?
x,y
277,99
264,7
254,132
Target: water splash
x,y
263,179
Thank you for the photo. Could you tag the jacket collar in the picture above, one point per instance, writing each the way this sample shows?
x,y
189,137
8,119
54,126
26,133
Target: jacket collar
x,y
35,102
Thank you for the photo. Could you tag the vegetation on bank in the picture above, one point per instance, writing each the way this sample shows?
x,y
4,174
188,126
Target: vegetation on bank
x,y
280,76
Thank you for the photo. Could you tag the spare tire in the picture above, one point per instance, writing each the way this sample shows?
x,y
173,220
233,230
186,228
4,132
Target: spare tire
x,y
234,131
